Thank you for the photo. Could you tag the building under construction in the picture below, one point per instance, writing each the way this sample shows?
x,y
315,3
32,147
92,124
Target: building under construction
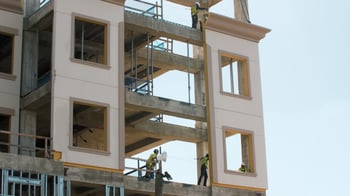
x,y
77,97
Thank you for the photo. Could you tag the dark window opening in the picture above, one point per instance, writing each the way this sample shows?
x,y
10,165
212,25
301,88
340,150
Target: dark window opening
x,y
4,138
90,41
89,126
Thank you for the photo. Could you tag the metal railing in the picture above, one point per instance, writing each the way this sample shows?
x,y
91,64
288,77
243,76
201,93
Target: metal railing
x,y
43,2
137,85
162,44
140,167
44,150
145,8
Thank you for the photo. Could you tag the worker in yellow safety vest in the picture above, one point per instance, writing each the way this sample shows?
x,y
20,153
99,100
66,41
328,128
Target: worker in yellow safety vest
x,y
151,163
204,165
194,13
243,168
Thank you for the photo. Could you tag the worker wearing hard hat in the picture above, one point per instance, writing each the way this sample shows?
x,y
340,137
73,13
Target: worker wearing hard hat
x,y
204,165
194,13
243,168
151,163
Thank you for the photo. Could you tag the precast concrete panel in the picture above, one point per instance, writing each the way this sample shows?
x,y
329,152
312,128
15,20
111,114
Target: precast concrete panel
x,y
10,87
235,46
12,24
75,79
242,113
239,121
66,88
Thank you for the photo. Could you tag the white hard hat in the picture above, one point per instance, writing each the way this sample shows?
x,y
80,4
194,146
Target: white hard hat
x,y
197,3
243,163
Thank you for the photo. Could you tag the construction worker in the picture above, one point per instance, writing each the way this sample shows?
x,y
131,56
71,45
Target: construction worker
x,y
204,165
243,168
151,163
194,13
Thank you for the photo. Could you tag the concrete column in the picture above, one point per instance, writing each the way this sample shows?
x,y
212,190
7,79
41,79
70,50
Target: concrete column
x,y
31,6
241,10
30,61
27,126
199,94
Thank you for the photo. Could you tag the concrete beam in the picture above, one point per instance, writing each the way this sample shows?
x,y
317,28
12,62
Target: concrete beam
x,y
136,185
143,145
31,164
166,106
38,17
37,98
168,61
87,175
138,117
161,28
170,132
153,134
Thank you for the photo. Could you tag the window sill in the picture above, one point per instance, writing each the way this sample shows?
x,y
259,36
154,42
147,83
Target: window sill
x,y
7,76
99,65
235,95
87,150
241,173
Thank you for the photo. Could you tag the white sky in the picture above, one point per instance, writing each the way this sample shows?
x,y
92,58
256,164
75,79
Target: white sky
x,y
304,67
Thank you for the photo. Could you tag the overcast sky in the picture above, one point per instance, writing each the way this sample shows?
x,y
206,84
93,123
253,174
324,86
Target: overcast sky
x,y
305,83
304,69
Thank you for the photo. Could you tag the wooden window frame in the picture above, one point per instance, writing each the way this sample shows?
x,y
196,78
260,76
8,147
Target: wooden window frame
x,y
106,121
242,88
247,151
105,64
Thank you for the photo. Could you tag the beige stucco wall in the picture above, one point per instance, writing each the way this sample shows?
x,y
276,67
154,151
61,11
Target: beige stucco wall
x,y
235,112
80,81
10,88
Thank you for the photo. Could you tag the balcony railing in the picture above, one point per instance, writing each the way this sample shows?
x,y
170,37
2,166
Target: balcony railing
x,y
145,8
38,146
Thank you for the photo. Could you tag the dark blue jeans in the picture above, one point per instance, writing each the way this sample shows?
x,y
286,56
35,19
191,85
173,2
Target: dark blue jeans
x,y
203,174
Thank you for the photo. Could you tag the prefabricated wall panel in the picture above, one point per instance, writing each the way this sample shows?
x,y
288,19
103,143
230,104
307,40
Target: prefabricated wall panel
x,y
78,80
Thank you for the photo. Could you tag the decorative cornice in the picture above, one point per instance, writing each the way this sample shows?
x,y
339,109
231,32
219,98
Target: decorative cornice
x,y
118,2
235,27
15,6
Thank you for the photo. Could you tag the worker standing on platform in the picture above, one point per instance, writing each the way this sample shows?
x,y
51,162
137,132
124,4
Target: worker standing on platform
x,y
243,168
194,13
204,165
151,163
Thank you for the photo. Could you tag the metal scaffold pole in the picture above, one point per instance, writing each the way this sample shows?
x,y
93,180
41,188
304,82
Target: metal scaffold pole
x,y
188,73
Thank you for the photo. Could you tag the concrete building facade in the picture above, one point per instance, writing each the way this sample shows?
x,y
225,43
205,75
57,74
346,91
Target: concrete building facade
x,y
76,97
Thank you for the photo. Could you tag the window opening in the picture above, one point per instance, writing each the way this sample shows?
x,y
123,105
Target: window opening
x,y
234,75
238,151
6,53
89,126
4,137
90,41
44,56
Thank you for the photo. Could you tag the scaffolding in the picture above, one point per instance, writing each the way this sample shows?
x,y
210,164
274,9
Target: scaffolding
x,y
18,183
